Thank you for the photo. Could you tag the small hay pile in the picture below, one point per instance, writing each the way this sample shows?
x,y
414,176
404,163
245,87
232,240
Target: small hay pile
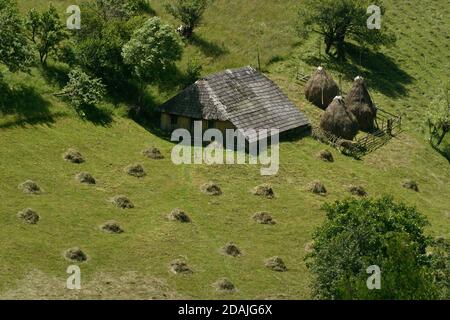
x,y
73,156
357,191
410,184
180,267
321,89
359,103
112,227
309,247
136,170
179,215
30,187
339,121
75,255
29,216
265,191
276,264
211,189
264,218
153,153
224,285
326,156
85,177
231,250
122,202
317,187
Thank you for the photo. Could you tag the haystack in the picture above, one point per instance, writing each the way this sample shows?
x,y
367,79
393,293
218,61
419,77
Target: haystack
x,y
276,264
231,249
321,89
29,216
359,103
339,121
75,255
224,285
179,266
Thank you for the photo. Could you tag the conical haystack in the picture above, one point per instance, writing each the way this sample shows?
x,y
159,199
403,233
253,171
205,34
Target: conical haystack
x,y
339,121
359,103
321,89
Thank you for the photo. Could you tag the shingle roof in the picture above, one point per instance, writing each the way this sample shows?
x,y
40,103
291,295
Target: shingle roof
x,y
245,97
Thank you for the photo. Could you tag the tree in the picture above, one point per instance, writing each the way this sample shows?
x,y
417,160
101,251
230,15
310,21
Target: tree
x,y
152,52
47,31
189,12
341,20
438,118
83,91
362,233
15,52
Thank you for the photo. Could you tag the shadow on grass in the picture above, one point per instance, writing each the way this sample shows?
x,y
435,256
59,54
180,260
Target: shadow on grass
x,y
56,74
443,151
380,71
26,104
97,116
208,48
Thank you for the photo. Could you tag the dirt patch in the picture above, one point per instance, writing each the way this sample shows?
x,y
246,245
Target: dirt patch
x,y
112,227
85,177
73,156
180,267
179,215
231,249
29,216
153,153
122,202
326,156
411,185
30,187
263,218
357,191
309,247
211,189
276,264
317,187
224,285
136,170
75,255
264,190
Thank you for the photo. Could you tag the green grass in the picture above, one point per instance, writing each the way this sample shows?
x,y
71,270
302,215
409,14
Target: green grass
x,y
36,128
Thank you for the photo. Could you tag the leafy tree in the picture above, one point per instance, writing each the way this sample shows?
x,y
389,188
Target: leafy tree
x,y
362,233
47,31
341,20
438,118
83,91
152,53
189,12
15,52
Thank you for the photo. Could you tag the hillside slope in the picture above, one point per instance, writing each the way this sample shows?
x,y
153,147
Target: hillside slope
x,y
36,128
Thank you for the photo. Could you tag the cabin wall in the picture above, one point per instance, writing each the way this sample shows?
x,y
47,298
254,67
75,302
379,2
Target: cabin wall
x,y
187,123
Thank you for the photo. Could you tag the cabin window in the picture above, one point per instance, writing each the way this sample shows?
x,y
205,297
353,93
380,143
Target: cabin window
x,y
173,120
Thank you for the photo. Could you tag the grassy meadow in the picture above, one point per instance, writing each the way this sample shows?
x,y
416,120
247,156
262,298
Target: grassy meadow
x,y
36,128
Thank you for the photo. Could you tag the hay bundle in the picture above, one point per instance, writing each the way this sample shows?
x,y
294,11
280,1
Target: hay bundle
x,y
85,177
339,121
179,215
30,187
231,250
179,267
410,184
276,264
136,170
112,227
264,190
263,218
29,216
326,156
75,255
224,285
122,202
73,155
211,189
360,104
153,153
317,187
321,89
357,191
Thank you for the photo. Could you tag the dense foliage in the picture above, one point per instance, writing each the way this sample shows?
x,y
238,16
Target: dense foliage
x,y
189,12
362,233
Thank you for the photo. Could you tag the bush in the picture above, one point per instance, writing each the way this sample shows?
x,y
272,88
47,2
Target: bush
x,y
363,232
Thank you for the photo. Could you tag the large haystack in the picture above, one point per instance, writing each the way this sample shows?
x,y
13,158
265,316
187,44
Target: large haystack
x,y
359,103
321,89
339,121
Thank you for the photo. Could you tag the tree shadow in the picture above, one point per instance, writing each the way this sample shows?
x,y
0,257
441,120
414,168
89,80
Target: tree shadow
x,y
208,48
26,104
97,116
381,72
56,75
